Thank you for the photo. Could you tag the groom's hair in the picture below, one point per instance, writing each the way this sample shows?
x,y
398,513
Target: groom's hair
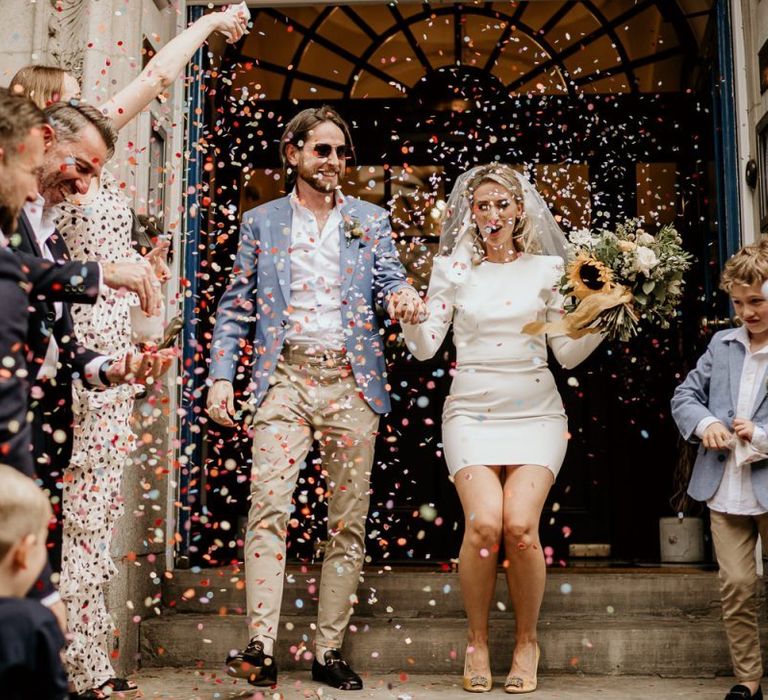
x,y
298,130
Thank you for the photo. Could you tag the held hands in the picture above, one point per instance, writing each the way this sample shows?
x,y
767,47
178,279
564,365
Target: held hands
x,y
221,403
407,306
143,368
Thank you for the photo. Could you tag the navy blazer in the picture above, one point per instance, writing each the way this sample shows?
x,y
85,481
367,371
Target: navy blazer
x,y
50,281
712,389
15,431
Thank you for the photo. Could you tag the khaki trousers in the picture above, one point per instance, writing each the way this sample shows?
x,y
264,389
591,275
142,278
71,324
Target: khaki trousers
x,y
735,538
313,398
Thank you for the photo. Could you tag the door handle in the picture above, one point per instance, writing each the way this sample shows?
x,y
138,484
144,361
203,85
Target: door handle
x,y
715,322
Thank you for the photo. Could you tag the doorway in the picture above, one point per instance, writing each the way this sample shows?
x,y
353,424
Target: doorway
x,y
609,107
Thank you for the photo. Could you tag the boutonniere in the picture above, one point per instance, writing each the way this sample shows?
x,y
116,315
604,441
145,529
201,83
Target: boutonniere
x,y
352,229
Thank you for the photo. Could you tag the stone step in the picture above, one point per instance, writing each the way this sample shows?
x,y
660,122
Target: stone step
x,y
602,644
404,593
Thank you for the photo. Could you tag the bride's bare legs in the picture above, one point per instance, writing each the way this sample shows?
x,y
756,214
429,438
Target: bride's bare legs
x,y
481,497
525,490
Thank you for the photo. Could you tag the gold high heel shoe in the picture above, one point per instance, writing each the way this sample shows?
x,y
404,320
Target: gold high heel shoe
x,y
515,684
477,682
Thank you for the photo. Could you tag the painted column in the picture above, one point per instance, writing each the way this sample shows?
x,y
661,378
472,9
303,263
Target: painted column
x,y
747,104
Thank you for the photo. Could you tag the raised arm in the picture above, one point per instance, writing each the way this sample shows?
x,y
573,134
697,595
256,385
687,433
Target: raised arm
x,y
424,339
570,352
169,61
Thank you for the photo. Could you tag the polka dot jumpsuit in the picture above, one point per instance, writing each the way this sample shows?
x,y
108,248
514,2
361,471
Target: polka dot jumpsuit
x,y
103,440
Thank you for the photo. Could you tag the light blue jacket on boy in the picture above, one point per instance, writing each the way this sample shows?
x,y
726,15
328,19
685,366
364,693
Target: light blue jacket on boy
x,y
711,389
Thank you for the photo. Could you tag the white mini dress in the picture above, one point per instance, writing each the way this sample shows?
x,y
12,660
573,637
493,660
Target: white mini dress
x,y
503,407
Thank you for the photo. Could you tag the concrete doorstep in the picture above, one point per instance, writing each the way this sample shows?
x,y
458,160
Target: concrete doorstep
x,y
209,684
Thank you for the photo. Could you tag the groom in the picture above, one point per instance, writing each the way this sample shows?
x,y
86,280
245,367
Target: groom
x,y
310,269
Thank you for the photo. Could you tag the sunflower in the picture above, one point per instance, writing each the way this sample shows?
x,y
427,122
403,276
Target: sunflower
x,y
586,275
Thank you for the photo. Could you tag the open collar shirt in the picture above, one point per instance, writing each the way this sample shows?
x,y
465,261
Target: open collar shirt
x,y
315,304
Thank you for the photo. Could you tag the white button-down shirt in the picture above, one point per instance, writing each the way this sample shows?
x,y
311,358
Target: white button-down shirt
x,y
315,313
43,225
735,495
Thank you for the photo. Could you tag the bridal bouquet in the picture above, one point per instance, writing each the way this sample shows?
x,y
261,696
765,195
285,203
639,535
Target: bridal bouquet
x,y
617,280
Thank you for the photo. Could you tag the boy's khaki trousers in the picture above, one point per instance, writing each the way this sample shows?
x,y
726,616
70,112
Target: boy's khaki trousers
x,y
735,538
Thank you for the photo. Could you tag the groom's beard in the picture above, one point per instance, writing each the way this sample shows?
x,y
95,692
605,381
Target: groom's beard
x,y
319,185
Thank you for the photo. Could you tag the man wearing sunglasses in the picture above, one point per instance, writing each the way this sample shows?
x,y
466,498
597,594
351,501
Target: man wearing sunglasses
x,y
311,268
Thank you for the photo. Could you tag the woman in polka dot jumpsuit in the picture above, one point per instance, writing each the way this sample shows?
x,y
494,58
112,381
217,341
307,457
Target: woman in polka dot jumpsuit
x,y
103,440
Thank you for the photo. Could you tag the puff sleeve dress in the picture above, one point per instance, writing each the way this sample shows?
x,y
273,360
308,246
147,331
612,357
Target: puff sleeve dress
x,y
503,407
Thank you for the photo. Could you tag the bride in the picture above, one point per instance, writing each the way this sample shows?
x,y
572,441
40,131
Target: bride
x,y
505,432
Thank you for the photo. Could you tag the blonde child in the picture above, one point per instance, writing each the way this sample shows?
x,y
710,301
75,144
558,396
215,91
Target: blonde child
x,y
30,638
722,406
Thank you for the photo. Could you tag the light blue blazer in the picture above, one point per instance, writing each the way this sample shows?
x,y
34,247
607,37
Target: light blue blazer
x,y
712,389
260,291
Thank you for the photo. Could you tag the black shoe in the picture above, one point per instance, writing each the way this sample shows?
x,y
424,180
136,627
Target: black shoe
x,y
253,664
741,692
336,672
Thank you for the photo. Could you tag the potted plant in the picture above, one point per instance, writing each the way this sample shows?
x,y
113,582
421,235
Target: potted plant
x,y
681,536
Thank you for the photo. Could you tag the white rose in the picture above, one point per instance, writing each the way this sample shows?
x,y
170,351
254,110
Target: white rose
x,y
645,260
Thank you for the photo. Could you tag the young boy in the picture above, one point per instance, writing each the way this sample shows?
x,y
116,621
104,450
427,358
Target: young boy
x,y
722,404
30,638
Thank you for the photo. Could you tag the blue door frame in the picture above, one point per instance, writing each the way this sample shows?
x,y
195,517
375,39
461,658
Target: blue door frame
x,y
726,147
193,383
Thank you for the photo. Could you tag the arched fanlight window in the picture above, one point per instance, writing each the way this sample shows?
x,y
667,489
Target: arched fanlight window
x,y
398,50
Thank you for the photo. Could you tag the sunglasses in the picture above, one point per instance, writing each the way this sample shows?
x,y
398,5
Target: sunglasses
x,y
323,150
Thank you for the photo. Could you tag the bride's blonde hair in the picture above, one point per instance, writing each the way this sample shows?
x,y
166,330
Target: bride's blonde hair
x,y
523,235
